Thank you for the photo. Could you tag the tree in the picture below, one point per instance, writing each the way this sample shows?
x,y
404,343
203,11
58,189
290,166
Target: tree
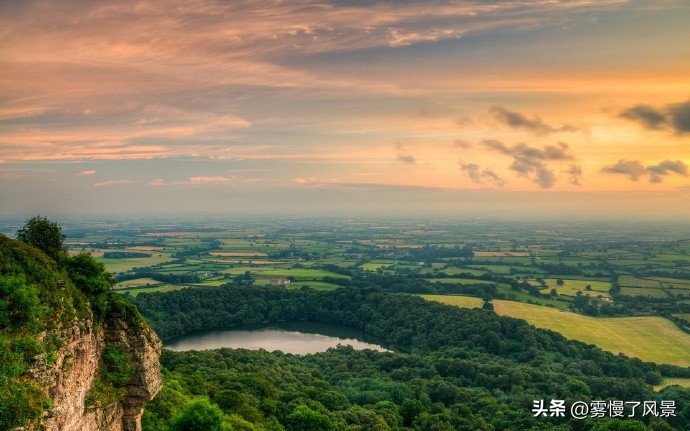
x,y
199,415
43,234
88,274
303,418
560,282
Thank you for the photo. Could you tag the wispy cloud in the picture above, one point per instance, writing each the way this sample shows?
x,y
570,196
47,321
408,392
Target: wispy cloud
x,y
410,160
86,173
112,183
521,121
205,180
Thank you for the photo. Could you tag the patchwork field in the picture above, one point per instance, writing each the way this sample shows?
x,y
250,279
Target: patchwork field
x,y
649,338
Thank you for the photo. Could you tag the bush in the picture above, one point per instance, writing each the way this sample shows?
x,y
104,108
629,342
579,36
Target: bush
x,y
117,366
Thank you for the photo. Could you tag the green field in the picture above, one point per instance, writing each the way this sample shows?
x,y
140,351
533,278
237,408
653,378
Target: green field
x,y
454,270
376,264
300,274
630,281
458,301
643,291
122,265
137,282
459,281
571,287
649,338
159,288
673,381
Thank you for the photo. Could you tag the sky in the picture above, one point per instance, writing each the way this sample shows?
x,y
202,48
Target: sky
x,y
560,108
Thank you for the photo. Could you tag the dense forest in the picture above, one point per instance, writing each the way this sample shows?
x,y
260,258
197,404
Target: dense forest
x,y
452,368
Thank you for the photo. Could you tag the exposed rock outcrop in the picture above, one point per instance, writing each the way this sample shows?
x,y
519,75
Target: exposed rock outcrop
x,y
72,375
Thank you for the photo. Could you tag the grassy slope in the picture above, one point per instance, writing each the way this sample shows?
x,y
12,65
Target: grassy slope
x,y
648,338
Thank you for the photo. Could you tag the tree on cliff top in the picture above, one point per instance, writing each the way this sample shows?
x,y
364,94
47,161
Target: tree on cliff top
x,y
43,234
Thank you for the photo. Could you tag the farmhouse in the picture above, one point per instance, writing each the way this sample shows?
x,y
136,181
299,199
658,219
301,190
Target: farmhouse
x,y
279,281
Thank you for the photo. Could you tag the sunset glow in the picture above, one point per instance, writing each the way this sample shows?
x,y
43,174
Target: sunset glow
x,y
477,107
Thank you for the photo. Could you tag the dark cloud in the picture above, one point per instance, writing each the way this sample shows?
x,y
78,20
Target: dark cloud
x,y
679,116
645,114
575,173
529,161
634,169
479,176
518,120
410,160
656,172
522,151
675,116
678,167
631,168
461,143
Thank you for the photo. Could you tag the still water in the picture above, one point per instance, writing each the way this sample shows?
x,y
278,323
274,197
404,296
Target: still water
x,y
297,338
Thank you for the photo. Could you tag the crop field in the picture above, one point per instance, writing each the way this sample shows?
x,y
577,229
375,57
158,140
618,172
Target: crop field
x,y
376,264
451,270
500,253
506,269
672,282
137,282
630,281
122,265
673,381
460,281
643,291
159,288
458,301
571,287
649,338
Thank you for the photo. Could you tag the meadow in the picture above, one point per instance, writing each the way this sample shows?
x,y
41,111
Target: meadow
x,y
652,339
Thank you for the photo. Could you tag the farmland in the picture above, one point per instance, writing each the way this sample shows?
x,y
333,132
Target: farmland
x,y
649,338
559,278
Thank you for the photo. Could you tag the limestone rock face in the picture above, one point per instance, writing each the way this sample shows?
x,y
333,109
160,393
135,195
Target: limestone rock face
x,y
69,376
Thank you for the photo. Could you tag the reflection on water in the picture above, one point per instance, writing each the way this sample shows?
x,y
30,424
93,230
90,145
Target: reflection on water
x,y
296,338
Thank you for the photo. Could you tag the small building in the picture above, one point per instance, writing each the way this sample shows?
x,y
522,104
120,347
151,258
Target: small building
x,y
279,281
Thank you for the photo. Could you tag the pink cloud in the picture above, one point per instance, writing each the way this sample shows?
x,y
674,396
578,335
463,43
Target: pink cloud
x,y
86,173
111,183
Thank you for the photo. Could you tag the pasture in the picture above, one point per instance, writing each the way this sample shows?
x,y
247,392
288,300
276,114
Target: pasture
x,y
652,339
571,287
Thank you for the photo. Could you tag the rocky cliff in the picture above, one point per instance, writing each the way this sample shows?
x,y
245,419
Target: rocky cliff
x,y
73,379
69,361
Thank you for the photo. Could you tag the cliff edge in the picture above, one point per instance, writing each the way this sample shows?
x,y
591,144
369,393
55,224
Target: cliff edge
x,y
72,357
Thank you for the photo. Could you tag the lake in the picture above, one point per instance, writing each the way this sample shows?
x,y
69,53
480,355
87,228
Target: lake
x,y
297,338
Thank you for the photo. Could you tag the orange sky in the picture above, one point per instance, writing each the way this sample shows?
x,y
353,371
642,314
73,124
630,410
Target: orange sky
x,y
199,99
